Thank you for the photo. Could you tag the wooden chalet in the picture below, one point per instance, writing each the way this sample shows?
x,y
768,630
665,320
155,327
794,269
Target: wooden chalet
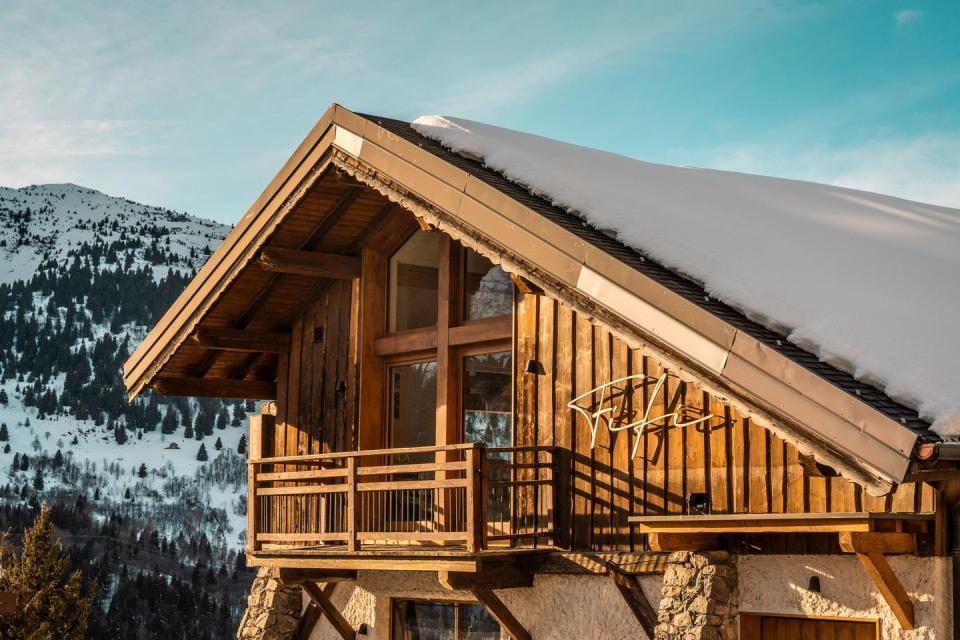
x,y
483,417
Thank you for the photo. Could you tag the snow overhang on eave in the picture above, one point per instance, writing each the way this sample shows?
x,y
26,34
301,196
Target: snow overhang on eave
x,y
818,417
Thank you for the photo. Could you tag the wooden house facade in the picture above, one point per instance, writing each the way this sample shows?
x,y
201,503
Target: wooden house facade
x,y
483,419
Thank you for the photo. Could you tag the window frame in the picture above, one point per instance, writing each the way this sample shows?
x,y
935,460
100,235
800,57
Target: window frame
x,y
393,600
448,342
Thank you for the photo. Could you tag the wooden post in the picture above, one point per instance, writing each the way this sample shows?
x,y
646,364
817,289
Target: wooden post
x,y
352,543
474,495
256,439
484,497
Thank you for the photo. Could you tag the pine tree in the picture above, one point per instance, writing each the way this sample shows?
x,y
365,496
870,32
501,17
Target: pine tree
x,y
202,453
218,444
4,434
38,478
242,445
50,604
142,471
57,459
4,399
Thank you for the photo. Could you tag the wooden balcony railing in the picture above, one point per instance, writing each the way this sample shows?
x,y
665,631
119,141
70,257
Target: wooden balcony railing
x,y
467,495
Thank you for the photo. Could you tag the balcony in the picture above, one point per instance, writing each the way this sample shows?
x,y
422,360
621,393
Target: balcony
x,y
400,508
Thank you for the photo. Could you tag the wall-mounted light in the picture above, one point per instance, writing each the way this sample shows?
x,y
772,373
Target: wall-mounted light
x,y
698,503
534,367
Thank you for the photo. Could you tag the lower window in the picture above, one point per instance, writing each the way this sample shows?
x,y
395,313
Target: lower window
x,y
422,620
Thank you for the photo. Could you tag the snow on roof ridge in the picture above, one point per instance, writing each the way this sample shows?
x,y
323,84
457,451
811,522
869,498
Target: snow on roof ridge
x,y
867,282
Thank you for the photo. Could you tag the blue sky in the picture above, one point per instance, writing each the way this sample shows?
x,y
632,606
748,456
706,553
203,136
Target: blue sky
x,y
194,106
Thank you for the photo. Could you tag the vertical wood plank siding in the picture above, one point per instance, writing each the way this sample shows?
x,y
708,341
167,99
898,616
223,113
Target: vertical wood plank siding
x,y
743,467
316,405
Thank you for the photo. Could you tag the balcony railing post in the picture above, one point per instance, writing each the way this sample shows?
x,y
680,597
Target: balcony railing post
x,y
352,543
484,494
253,507
474,455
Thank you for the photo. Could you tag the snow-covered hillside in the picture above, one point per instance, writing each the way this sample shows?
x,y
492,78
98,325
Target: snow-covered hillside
x,y
82,277
48,221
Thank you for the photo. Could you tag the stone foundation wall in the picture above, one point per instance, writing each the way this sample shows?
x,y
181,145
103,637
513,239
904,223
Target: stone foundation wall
x,y
273,610
699,597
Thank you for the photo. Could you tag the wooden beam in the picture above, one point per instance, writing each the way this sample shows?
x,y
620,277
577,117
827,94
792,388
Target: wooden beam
x,y
683,541
501,614
213,388
636,599
406,342
486,330
872,542
890,588
503,577
309,263
291,576
321,597
242,340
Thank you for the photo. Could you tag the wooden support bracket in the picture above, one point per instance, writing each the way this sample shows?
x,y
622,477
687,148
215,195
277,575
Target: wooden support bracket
x,y
501,614
525,286
684,541
321,598
309,263
635,598
870,548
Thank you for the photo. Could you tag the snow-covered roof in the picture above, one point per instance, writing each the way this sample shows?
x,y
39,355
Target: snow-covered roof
x,y
867,282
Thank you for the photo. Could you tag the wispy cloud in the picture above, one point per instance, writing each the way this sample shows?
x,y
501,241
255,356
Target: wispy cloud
x,y
512,76
925,167
907,17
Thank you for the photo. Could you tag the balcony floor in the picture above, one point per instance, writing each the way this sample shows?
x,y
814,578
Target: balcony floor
x,y
447,557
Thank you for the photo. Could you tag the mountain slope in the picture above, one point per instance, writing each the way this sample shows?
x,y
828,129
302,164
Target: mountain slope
x,y
83,276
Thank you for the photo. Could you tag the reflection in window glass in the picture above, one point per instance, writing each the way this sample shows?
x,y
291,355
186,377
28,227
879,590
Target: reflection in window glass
x,y
413,401
414,270
487,411
414,620
488,291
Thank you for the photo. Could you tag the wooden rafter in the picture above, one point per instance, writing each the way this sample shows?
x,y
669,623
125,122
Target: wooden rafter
x,y
313,264
331,218
501,614
321,598
210,388
242,340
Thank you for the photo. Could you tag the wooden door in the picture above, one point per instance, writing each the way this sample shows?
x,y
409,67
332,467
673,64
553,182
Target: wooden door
x,y
773,627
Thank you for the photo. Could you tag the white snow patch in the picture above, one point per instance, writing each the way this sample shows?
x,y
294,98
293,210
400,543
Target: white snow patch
x,y
868,282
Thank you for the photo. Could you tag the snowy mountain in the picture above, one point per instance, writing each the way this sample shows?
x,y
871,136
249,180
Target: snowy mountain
x,y
154,488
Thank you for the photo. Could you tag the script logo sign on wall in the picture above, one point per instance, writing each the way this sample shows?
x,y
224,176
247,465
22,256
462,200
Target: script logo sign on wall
x,y
611,410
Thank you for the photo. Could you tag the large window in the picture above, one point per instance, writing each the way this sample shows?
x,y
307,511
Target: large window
x,y
419,620
447,346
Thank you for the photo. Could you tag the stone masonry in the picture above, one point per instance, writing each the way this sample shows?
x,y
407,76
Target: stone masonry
x,y
699,597
273,610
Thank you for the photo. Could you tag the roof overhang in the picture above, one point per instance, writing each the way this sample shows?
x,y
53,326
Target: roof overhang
x,y
810,412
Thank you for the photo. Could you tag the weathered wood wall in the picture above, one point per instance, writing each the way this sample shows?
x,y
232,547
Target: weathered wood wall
x,y
743,467
316,383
